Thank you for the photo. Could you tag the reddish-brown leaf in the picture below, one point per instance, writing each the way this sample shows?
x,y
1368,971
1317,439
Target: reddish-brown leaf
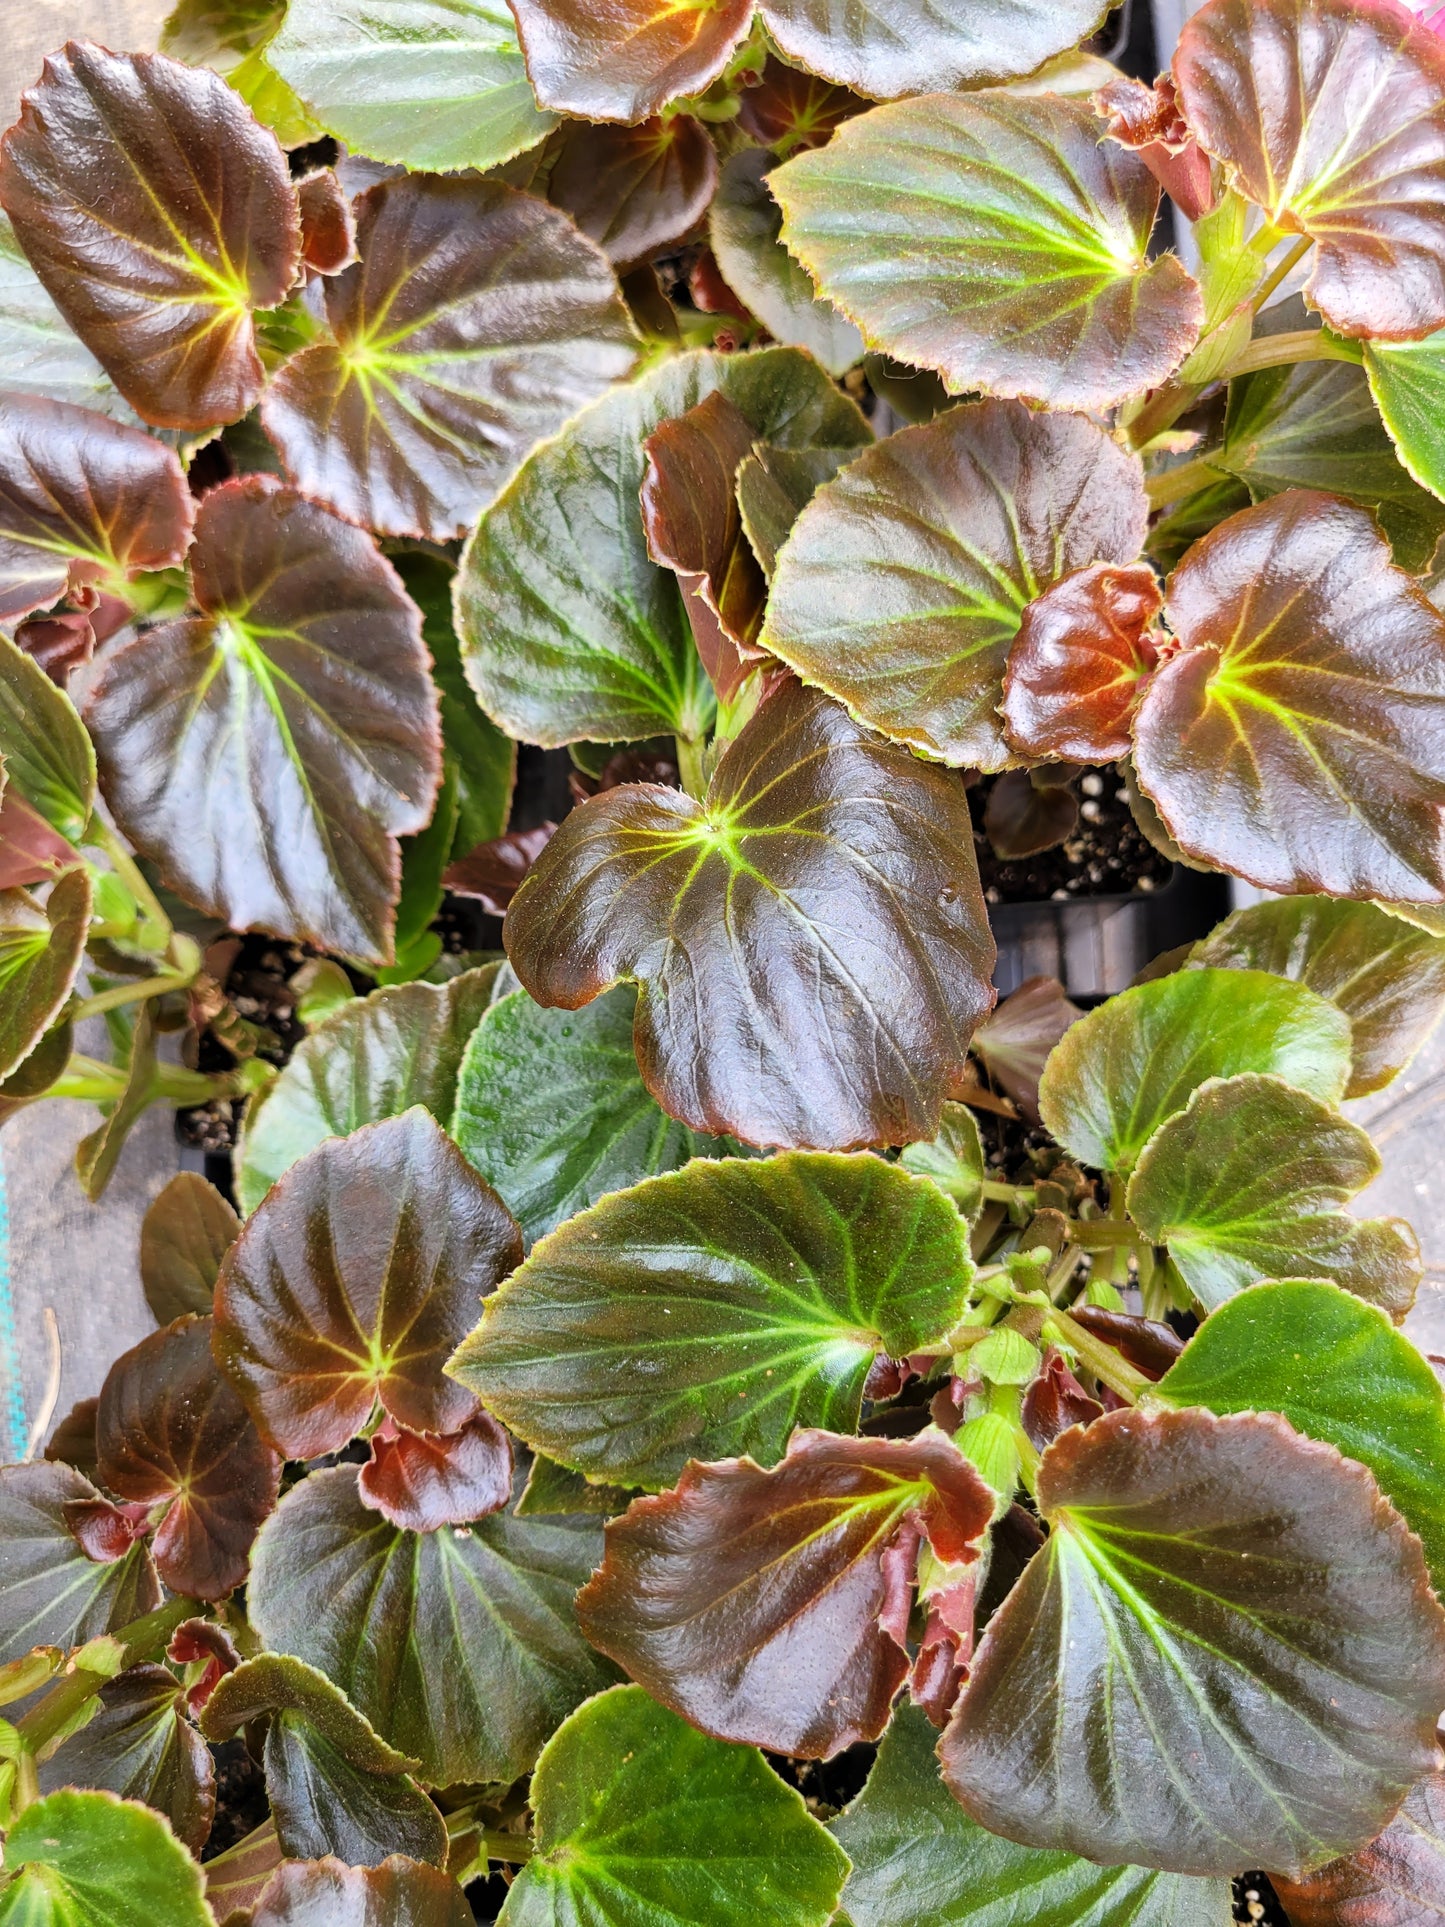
x,y
103,1530
59,642
1076,670
634,190
494,872
30,851
1397,1881
1149,1346
425,1480
1015,1039
1023,816
628,59
328,227
1148,120
1055,1401
788,109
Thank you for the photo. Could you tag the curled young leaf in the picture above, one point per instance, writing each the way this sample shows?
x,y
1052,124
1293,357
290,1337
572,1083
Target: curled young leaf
x,y
635,191
1148,120
184,1235
1396,1881
41,950
51,1593
439,380
625,61
328,228
773,1606
426,1480
1077,669
1297,737
992,237
708,1312
269,751
141,1746
159,215
1241,1625
355,1280
738,1010
88,1859
327,1893
902,586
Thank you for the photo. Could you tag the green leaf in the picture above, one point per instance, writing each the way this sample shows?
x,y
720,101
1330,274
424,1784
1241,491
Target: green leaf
x,y
41,951
995,238
233,36
47,753
552,1110
1386,1884
399,1893
1251,1181
903,584
1117,1075
91,1860
553,1489
920,1861
423,859
706,1313
186,1232
1407,381
954,1159
140,1746
460,1646
373,1058
774,486
643,1822
1386,976
569,630
433,85
1338,1371
1226,1655
39,350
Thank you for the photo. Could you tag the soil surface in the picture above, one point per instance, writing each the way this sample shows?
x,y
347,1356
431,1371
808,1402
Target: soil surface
x,y
1106,854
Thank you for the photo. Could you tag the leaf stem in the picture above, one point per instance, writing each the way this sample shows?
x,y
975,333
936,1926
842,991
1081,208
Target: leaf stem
x,y
514,1848
1301,344
690,766
129,993
129,871
1184,479
143,1639
1285,267
1101,1359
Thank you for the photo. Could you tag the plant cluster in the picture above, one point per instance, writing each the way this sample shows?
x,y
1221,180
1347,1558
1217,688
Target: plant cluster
x,y
630,1361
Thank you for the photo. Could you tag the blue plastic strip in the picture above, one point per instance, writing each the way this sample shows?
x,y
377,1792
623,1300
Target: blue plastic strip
x,y
16,1432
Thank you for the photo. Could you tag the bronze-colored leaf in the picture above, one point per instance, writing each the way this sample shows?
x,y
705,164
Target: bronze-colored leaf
x,y
627,60
1023,816
184,1236
40,956
494,872
1014,1040
328,226
51,1594
328,1893
1076,672
1148,120
1397,1881
787,109
634,190
426,1480
141,1746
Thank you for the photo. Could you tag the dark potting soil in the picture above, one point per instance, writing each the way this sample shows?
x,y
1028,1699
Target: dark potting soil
x,y
241,1803
1256,1903
1105,855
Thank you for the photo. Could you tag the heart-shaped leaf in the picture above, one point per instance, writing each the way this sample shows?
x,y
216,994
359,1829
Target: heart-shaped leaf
x,y
427,1480
1251,1181
159,215
141,1746
1298,736
903,584
41,950
1226,1655
774,486
1385,975
1023,816
641,1820
439,381
82,500
461,1647
184,1235
40,352
355,1280
1115,1077
373,1058
1076,671
773,1606
327,1893
627,60
1397,1881
47,754
706,1313
269,752
1407,382
920,1861
51,1594
1337,1371
635,191
91,1860
744,229
994,238
428,84
170,1431
1367,105
728,915
569,631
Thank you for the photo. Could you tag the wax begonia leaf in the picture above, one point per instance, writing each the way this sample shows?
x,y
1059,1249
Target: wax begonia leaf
x,y
1148,120
642,1821
1386,976
48,758
39,350
552,1110
159,216
1310,692
233,37
626,61
1014,1041
635,191
786,109
354,1281
552,1490
51,1594
439,382
1367,104
88,1859
1023,817
771,1606
902,586
736,1029
569,630
140,1746
41,951
920,1861
774,486
707,1312
993,238
73,1440
427,1480
744,228
460,1646
1239,1709
1115,1077
1251,1181
429,84
235,1883
1397,1881
1407,383
270,751
493,872
328,227
1076,670
327,1893
954,1159
186,1232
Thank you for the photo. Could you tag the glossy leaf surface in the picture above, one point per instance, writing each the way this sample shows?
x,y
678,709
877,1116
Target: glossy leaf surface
x,y
47,754
954,1159
140,1746
774,486
461,1648
991,237
51,1594
159,215
1238,1709
706,1313
1338,1371
1015,1040
1407,380
372,1059
1385,975
233,37
1296,737
889,49
1116,1076
427,1480
827,872
41,353
903,584
787,109
354,1281
431,84
1250,1182
1076,670
634,190
1397,1881
569,630
768,1606
328,1893
296,710
641,1821
328,229
41,950
440,381
920,1861
185,1234
91,1860
626,61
